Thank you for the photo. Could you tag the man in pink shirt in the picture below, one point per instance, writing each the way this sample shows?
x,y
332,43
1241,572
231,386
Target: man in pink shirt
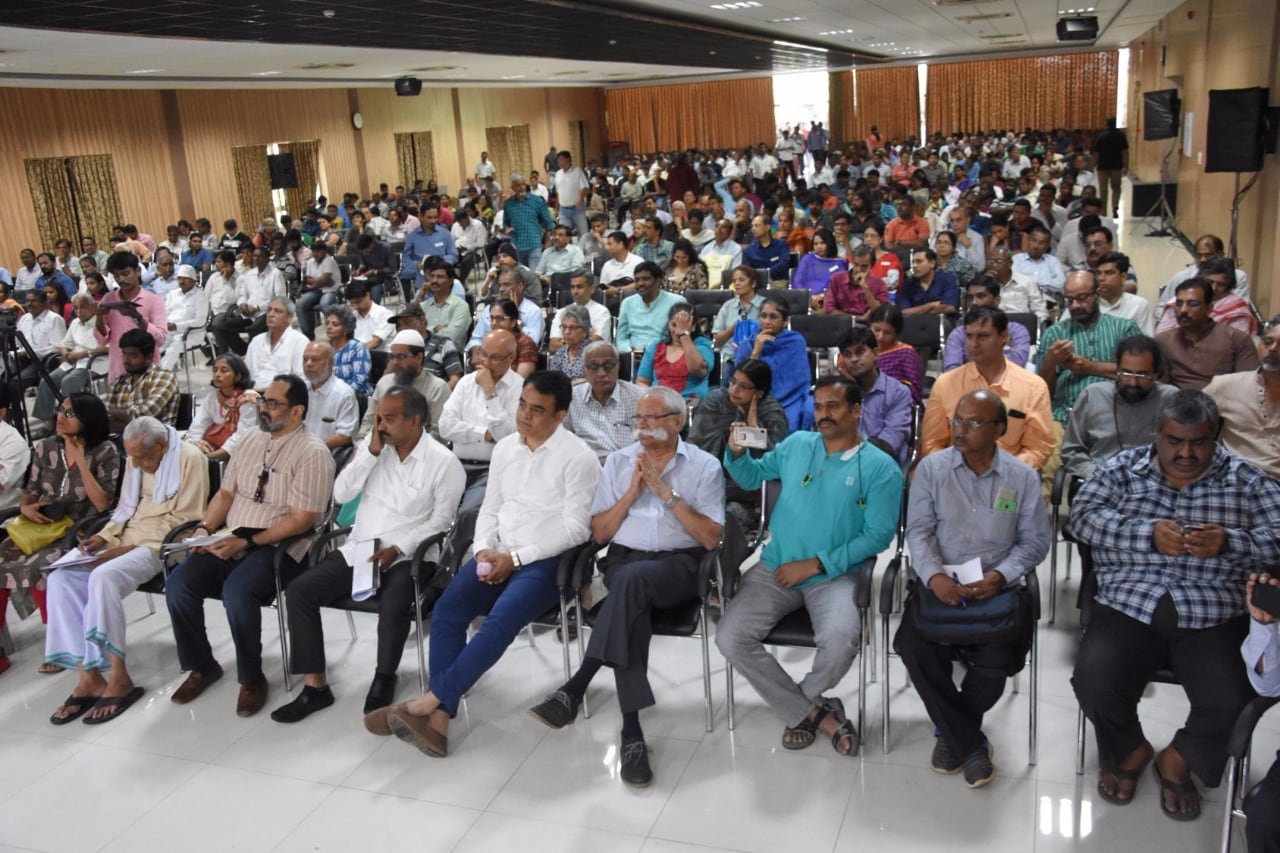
x,y
138,309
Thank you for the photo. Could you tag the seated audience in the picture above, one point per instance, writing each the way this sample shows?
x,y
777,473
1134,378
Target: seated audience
x,y
927,290
187,312
408,367
787,355
1229,309
1176,530
600,327
886,403
816,269
1261,652
894,357
603,406
643,319
575,324
441,358
78,349
681,359
685,270
228,412
1246,402
1113,299
145,388
986,292
505,316
279,349
166,483
1199,349
333,415
352,361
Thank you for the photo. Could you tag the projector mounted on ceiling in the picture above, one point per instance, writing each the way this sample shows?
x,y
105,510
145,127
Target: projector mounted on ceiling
x,y
1083,28
408,86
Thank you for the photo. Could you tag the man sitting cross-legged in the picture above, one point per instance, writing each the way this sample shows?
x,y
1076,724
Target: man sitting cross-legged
x,y
660,505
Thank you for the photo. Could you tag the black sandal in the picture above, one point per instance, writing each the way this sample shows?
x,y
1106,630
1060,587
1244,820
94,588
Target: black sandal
x,y
807,727
847,730
77,705
1122,776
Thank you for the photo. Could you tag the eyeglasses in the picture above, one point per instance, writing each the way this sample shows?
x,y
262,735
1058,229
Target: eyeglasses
x,y
1188,303
260,493
648,419
489,356
599,366
1139,375
1081,300
68,413
272,405
402,356
742,386
968,423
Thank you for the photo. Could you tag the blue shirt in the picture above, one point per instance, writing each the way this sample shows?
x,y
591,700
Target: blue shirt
x,y
62,280
776,257
943,289
422,244
1017,351
640,324
842,509
199,260
527,218
649,525
886,414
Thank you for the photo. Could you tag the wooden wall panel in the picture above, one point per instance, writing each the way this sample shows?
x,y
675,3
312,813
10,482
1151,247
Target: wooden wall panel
x,y
42,123
386,114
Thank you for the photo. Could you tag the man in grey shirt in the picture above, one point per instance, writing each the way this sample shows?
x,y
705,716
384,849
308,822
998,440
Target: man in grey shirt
x,y
969,502
603,406
1113,416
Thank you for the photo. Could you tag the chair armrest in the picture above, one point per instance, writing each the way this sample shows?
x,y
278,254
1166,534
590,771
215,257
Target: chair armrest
x,y
1059,480
85,527
863,578
174,535
419,561
1033,586
1242,732
282,548
8,513
576,567
887,584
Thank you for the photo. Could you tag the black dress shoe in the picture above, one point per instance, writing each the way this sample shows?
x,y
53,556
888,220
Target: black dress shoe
x,y
381,693
635,762
310,700
557,710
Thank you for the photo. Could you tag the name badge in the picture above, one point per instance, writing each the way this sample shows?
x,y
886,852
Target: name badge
x,y
1006,500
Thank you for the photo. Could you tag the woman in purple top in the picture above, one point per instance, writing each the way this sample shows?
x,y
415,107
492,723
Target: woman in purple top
x,y
816,268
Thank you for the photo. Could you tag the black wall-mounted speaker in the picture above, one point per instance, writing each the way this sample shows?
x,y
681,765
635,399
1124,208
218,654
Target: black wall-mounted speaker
x,y
283,174
1237,130
1160,114
407,86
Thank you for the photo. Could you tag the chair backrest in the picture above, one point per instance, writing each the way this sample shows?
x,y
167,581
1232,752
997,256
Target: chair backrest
x,y
378,362
707,303
597,264
921,332
798,301
1030,321
821,331
458,542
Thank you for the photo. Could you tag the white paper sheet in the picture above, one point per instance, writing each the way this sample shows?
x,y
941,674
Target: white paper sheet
x,y
74,559
364,574
966,572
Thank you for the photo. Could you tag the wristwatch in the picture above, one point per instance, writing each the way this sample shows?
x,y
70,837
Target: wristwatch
x,y
671,501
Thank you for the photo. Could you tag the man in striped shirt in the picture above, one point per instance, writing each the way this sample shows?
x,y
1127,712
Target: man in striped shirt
x,y
277,486
1176,530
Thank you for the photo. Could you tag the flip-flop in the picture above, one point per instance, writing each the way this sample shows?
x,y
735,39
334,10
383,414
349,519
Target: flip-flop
x,y
807,727
417,731
47,668
115,705
81,706
1179,788
1122,776
847,730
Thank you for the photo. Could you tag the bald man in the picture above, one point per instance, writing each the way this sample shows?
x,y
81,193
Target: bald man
x,y
332,411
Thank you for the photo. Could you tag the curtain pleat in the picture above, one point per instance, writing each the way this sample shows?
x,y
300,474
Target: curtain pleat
x,y
840,109
716,114
510,150
416,155
1075,90
306,162
93,180
889,98
404,157
51,200
253,181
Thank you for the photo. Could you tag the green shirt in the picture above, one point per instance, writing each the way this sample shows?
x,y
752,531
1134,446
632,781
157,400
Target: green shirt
x,y
1096,343
841,508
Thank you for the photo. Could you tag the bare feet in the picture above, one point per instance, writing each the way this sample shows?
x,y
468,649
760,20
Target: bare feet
x,y
1118,787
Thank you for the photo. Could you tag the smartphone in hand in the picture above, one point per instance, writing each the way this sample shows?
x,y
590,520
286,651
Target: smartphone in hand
x,y
1266,597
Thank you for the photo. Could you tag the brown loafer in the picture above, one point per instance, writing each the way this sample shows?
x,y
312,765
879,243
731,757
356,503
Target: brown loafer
x,y
197,682
377,722
417,731
253,697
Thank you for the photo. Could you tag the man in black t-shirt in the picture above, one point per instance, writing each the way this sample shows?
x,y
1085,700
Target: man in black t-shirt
x,y
1111,160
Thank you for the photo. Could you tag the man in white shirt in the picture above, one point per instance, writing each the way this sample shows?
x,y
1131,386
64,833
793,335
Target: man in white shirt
x,y
572,186
621,264
253,289
165,279
1019,294
537,188
763,163
538,507
15,456
277,350
374,327
28,274
969,243
44,331
407,368
321,279
1113,267
485,168
220,287
1207,248
78,346
470,237
187,311
563,256
408,485
482,408
582,289
1036,263
332,411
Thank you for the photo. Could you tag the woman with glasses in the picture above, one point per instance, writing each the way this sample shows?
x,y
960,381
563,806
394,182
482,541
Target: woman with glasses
x,y
746,399
504,315
74,472
787,355
945,246
681,359
351,359
227,412
575,326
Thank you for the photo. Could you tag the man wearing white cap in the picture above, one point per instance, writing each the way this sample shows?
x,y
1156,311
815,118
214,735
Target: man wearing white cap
x,y
408,355
187,310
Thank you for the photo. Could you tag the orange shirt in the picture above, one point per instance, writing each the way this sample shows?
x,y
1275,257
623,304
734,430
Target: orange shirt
x,y
898,230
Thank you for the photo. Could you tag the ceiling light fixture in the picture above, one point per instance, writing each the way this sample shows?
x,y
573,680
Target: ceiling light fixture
x,y
513,77
144,71
740,4
787,20
264,73
837,33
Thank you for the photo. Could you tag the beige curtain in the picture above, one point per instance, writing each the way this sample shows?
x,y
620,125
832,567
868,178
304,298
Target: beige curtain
x,y
253,182
890,99
52,202
416,154
840,109
715,114
1075,90
510,150
306,162
74,197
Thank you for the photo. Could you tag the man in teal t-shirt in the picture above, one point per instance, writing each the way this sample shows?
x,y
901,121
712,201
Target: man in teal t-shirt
x,y
837,509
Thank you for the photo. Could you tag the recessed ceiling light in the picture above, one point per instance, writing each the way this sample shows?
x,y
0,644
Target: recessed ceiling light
x,y
837,33
320,66
513,77
436,68
568,73
264,73
787,20
740,4
144,71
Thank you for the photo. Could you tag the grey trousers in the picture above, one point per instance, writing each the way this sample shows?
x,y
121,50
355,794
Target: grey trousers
x,y
759,605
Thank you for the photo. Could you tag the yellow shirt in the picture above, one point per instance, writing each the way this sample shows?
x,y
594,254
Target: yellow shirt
x,y
151,521
1030,438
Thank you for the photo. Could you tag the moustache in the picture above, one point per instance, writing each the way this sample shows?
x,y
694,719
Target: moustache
x,y
827,422
657,434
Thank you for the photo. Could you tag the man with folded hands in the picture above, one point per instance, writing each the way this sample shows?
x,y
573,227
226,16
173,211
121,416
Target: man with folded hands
x,y
660,506
409,486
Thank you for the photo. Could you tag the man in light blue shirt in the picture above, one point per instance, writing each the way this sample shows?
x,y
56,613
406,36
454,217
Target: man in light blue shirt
x,y
1038,263
1261,651
510,286
886,402
642,318
660,506
432,240
563,256
837,509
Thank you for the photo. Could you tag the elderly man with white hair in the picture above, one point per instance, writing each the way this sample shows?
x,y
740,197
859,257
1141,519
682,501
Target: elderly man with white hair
x,y
660,506
278,349
166,483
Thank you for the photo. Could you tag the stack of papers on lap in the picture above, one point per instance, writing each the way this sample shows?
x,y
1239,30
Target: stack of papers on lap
x,y
73,559
196,542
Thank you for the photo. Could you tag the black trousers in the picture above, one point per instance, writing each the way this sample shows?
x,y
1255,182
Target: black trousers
x,y
330,580
1262,811
638,581
1117,658
228,325
957,712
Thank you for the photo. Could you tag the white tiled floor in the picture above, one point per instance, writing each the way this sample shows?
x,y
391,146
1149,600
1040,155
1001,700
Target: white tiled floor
x,y
199,778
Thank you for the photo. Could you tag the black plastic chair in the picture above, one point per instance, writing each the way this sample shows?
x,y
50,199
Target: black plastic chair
x,y
822,334
798,301
1238,752
1064,485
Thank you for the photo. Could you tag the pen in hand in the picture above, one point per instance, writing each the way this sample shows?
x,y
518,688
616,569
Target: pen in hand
x,y
956,577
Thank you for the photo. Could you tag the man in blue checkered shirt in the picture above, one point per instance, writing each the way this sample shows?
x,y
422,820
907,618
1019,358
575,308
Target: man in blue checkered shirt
x,y
1176,529
526,216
